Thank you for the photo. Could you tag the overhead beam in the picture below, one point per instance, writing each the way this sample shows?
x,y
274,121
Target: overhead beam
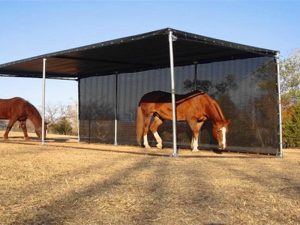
x,y
103,60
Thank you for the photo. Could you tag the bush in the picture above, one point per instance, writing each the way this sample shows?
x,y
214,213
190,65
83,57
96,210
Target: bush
x,y
63,126
291,127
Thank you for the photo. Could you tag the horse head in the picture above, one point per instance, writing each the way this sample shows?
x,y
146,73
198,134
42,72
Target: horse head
x,y
38,130
219,132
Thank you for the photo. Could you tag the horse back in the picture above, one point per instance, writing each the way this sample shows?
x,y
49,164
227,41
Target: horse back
x,y
166,97
161,103
13,107
156,97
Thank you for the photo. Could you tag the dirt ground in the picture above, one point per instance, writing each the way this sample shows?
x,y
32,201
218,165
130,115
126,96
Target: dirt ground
x,y
64,182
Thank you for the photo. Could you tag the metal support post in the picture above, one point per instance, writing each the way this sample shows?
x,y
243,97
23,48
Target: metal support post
x,y
195,76
280,153
43,100
116,112
78,109
173,93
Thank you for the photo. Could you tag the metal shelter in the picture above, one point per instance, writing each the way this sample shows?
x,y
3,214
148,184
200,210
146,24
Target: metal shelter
x,y
154,51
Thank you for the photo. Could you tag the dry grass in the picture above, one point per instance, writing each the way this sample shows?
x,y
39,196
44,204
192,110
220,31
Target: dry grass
x,y
72,183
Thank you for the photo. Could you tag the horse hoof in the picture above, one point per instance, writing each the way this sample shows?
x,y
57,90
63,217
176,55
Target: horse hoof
x,y
195,150
148,147
159,146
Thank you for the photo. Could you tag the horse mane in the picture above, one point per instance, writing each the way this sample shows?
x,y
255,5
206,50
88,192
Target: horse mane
x,y
214,106
215,110
220,111
33,110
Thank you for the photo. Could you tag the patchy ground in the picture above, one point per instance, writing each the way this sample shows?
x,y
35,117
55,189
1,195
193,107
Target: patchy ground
x,y
71,183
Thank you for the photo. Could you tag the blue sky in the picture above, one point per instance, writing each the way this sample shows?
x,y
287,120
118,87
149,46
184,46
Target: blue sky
x,y
30,28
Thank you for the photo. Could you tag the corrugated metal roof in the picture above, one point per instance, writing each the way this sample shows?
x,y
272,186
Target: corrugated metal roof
x,y
131,54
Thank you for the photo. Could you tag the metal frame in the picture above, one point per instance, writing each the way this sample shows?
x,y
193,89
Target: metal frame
x,y
78,109
171,37
30,67
280,153
116,111
43,100
195,75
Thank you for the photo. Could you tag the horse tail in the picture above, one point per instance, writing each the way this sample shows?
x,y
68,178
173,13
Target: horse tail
x,y
139,124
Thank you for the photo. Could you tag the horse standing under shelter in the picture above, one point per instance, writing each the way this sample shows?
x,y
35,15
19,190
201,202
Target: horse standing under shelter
x,y
18,109
195,108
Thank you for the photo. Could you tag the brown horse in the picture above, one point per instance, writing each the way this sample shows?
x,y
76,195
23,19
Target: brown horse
x,y
195,108
18,109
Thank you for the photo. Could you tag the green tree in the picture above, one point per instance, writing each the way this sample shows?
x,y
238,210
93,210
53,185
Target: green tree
x,y
290,96
62,126
291,127
290,80
57,114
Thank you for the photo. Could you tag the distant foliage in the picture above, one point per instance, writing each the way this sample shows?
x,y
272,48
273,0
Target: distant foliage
x,y
62,126
291,127
290,77
290,95
62,119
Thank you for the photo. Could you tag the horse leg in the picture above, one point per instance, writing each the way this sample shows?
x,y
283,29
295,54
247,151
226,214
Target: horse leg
x,y
192,142
24,128
196,135
195,127
8,128
154,127
147,120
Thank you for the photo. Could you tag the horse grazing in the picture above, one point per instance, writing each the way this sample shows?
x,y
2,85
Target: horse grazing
x,y
18,109
195,108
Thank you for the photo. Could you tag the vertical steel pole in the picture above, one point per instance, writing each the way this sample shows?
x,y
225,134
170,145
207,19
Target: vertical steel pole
x,y
173,93
195,76
43,100
280,153
78,109
116,112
